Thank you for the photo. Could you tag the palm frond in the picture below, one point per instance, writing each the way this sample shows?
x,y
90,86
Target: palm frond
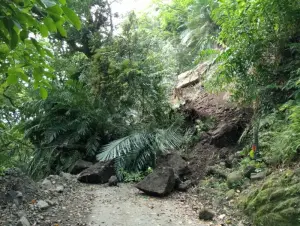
x,y
124,146
140,149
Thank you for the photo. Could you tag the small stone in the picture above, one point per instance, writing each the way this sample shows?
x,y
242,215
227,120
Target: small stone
x,y
223,164
47,183
113,181
66,176
42,205
51,203
184,186
258,176
230,194
19,194
222,217
214,171
23,222
235,179
21,214
248,171
206,215
60,189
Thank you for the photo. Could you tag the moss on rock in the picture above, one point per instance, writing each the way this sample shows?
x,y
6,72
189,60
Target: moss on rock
x,y
276,202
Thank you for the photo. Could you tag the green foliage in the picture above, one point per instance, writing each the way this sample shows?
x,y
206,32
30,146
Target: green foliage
x,y
138,151
23,56
69,121
190,28
276,202
131,177
259,61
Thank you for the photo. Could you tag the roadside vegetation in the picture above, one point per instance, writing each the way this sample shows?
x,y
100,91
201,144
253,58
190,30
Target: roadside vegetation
x,y
73,85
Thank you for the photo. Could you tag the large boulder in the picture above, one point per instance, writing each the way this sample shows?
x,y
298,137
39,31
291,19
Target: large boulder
x,y
159,183
226,134
177,163
192,77
79,166
98,173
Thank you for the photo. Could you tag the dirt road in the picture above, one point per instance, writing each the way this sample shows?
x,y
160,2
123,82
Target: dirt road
x,y
125,206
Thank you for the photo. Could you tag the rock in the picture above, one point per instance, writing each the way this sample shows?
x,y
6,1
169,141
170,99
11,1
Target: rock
x,y
23,222
177,181
159,183
224,153
258,176
79,166
230,194
184,186
98,173
113,181
47,184
175,161
235,179
214,171
60,189
231,161
66,176
191,77
222,217
51,202
206,215
19,195
248,171
226,134
42,205
21,214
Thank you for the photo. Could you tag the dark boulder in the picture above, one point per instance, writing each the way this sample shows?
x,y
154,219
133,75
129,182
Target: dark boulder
x,y
98,173
177,163
79,166
226,134
159,183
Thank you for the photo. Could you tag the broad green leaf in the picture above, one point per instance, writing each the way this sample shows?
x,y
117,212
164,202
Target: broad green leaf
x,y
48,52
24,34
72,17
63,2
44,30
14,39
4,49
50,24
55,10
38,47
12,78
61,29
4,37
48,3
43,93
38,74
24,77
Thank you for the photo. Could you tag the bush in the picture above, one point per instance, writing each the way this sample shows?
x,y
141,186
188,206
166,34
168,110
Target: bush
x,y
276,202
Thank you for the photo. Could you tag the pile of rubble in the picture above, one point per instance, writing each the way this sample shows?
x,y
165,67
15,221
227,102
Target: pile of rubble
x,y
57,200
